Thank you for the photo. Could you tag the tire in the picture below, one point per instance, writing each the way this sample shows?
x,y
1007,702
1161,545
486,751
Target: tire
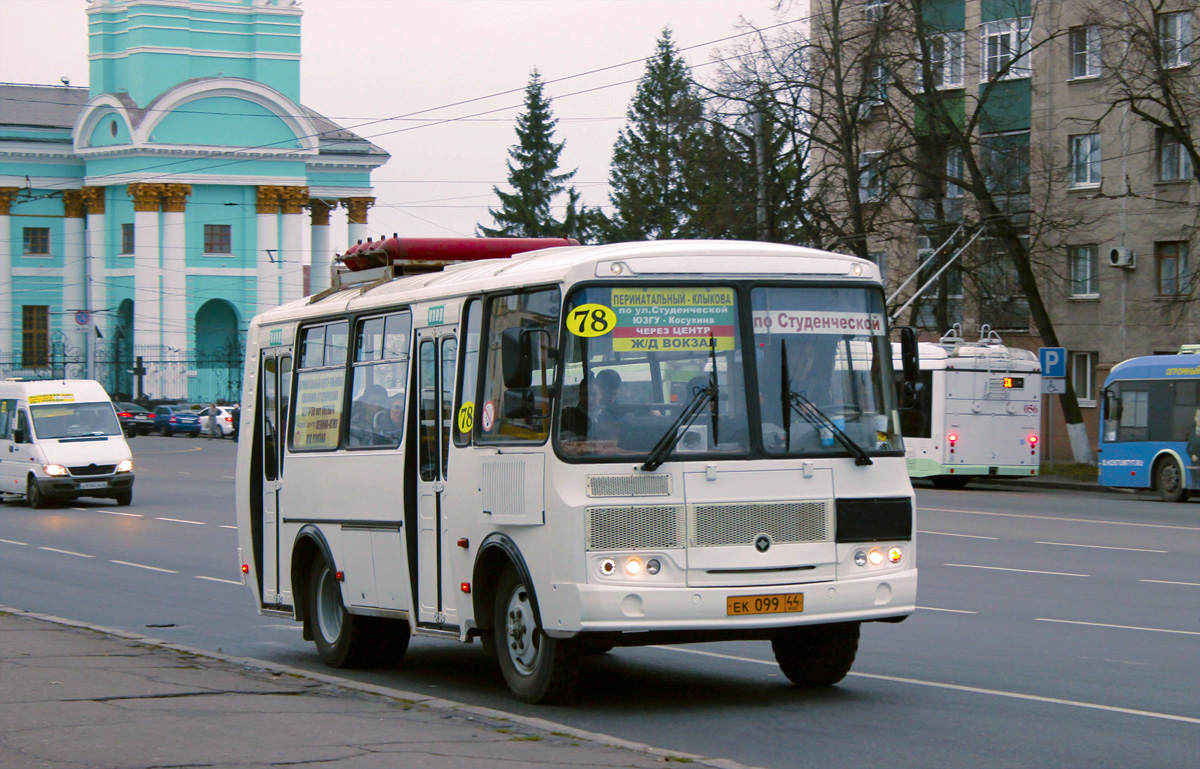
x,y
1169,479
37,500
536,667
341,637
816,655
125,498
950,481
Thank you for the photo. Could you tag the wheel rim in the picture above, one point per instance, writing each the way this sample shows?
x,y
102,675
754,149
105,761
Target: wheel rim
x,y
329,607
519,632
1169,478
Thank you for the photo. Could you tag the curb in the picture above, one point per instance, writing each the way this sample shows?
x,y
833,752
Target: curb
x,y
422,700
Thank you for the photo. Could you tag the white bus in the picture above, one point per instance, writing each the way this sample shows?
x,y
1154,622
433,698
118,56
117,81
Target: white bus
x,y
977,412
581,448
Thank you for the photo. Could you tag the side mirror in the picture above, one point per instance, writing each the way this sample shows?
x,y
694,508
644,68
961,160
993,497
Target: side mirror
x,y
910,358
519,403
516,356
911,395
18,435
1112,406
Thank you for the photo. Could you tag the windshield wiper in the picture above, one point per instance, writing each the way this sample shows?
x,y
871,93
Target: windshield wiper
x,y
809,412
666,444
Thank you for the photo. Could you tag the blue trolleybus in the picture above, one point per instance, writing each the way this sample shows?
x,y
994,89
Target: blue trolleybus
x,y
1150,436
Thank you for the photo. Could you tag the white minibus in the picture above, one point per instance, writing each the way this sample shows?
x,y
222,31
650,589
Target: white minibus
x,y
59,440
580,448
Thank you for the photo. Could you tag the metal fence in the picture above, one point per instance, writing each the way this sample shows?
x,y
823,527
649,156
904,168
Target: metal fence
x,y
164,374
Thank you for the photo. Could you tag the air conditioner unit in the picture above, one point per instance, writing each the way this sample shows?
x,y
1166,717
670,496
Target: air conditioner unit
x,y
1122,257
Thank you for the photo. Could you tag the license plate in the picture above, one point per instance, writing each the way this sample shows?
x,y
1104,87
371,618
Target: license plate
x,y
782,603
94,485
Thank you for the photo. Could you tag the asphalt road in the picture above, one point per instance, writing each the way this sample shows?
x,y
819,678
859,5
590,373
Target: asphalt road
x,y
1056,629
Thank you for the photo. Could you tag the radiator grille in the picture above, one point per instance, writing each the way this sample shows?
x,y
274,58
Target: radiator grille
x,y
628,485
92,470
631,528
714,525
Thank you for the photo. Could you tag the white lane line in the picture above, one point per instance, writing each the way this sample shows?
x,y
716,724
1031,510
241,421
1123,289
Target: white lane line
x,y
960,688
1058,518
285,627
66,552
114,512
953,611
144,566
1167,582
180,520
947,534
1023,571
218,579
1119,627
227,526
1102,547
12,542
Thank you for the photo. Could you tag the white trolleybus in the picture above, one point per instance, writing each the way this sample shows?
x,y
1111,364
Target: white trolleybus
x,y
977,412
579,448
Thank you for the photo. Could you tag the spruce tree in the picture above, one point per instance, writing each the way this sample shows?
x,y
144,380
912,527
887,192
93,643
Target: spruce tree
x,y
533,175
653,174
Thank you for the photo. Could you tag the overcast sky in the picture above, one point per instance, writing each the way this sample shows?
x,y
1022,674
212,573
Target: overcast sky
x,y
364,60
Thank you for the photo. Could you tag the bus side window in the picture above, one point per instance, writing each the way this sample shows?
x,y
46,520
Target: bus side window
x,y
528,323
466,409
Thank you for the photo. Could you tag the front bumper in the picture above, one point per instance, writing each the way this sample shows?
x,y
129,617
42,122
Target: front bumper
x,y
69,487
570,608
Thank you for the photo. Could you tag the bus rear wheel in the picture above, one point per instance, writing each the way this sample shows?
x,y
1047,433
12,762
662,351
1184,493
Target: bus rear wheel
x,y
536,667
950,481
1168,477
816,655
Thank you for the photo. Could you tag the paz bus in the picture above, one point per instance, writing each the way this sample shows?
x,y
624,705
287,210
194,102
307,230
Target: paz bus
x,y
976,412
577,448
1150,425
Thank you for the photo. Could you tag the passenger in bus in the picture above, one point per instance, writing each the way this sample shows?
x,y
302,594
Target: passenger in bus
x,y
363,412
389,423
575,421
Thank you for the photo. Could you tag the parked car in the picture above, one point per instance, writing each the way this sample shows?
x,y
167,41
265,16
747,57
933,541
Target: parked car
x,y
135,420
180,418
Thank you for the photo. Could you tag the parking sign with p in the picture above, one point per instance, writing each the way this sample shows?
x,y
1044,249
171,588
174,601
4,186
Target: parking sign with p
x,y
1054,361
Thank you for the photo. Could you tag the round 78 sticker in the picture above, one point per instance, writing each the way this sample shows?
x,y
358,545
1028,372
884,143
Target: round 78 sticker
x,y
466,417
591,320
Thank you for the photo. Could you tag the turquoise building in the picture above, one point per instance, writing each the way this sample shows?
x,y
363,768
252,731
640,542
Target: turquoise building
x,y
151,215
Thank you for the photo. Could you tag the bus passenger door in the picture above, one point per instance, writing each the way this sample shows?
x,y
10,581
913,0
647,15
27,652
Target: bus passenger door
x,y
436,355
274,384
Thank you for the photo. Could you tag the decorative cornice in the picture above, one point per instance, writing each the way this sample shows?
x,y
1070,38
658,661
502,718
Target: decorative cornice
x,y
174,197
356,209
146,197
6,196
293,199
319,210
93,198
73,204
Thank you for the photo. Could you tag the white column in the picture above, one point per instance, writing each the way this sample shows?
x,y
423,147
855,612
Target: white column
x,y
94,271
6,283
176,324
267,228
291,249
74,285
147,282
356,216
322,256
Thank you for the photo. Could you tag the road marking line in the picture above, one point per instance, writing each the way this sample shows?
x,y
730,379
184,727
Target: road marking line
x,y
946,534
960,688
1119,627
114,512
144,566
953,611
12,542
1023,571
285,627
1166,582
66,552
1102,547
227,526
180,520
218,579
1057,518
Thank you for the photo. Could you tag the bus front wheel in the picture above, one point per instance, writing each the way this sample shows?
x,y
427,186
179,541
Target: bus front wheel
x,y
341,641
1169,479
536,667
816,655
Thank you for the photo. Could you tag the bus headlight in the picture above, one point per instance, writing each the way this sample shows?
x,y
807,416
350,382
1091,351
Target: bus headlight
x,y
55,470
653,566
633,567
860,558
607,567
875,557
125,466
895,554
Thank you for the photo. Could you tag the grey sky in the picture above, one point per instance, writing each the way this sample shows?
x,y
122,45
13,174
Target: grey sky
x,y
369,59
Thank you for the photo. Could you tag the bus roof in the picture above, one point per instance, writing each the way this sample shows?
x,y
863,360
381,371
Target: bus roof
x,y
1156,367
658,259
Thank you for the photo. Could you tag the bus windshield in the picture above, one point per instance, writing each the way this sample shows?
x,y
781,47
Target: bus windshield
x,y
636,358
74,420
824,371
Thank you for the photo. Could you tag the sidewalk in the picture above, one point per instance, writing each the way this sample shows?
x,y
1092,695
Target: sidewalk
x,y
73,696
